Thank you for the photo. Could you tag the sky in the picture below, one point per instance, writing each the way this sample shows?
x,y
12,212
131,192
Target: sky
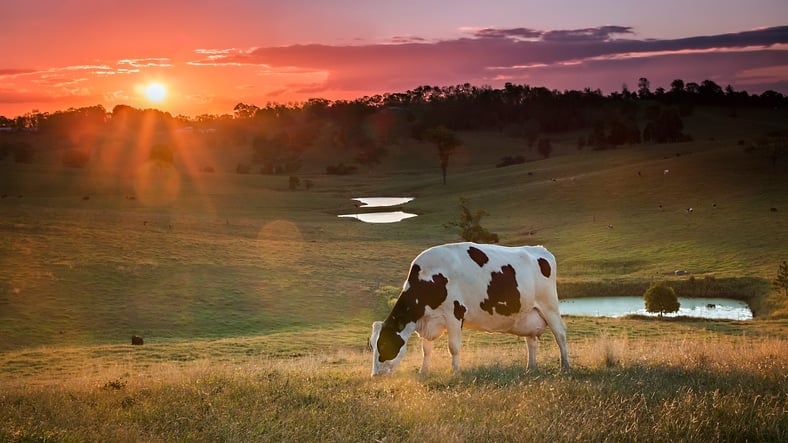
x,y
193,57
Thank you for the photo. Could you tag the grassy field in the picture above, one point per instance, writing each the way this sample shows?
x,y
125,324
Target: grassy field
x,y
255,301
633,380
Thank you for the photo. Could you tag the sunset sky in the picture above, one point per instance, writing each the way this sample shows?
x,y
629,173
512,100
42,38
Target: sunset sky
x,y
204,56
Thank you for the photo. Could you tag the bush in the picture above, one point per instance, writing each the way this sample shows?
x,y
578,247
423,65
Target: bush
x,y
469,224
661,298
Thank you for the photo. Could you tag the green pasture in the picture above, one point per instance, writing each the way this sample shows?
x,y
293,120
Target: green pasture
x,y
94,255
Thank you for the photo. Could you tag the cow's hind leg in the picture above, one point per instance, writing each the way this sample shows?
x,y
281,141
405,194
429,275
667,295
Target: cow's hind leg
x,y
426,351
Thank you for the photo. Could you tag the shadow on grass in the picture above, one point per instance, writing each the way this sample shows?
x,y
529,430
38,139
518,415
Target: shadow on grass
x,y
658,381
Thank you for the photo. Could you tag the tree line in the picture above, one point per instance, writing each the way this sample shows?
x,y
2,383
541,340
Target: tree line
x,y
278,133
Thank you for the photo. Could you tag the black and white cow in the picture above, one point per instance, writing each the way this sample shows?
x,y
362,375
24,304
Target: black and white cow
x,y
484,287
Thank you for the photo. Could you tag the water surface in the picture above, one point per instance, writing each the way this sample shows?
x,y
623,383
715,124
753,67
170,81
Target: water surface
x,y
380,217
713,308
380,202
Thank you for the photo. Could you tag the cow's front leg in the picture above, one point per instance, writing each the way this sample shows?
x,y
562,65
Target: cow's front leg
x,y
455,343
532,343
426,352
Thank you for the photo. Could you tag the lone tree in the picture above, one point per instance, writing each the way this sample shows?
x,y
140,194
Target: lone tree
x,y
661,298
469,224
781,281
446,141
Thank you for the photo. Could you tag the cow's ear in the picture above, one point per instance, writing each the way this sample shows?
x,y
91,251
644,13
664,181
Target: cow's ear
x,y
376,326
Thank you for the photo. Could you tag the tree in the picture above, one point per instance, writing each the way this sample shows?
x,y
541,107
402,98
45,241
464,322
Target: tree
x,y
469,224
781,281
644,87
446,141
661,298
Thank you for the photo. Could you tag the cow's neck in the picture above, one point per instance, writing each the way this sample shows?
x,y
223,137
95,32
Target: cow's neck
x,y
404,328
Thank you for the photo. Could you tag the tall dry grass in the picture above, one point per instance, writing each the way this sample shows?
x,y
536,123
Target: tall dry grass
x,y
683,388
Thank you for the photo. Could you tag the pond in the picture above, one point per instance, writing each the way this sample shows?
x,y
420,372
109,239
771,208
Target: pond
x,y
712,308
380,202
380,217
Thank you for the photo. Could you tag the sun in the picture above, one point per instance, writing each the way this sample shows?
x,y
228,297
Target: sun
x,y
155,92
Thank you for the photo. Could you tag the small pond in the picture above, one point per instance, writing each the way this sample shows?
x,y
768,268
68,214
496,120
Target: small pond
x,y
380,217
381,202
712,308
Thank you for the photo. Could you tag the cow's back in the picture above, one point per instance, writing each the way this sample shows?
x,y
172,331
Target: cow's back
x,y
489,287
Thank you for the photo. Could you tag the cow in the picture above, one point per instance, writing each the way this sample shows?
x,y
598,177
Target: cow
x,y
484,287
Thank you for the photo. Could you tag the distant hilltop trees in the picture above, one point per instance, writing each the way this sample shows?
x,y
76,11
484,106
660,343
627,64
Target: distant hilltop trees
x,y
518,109
362,129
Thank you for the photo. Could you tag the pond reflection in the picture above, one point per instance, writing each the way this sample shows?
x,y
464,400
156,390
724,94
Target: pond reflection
x,y
712,308
380,217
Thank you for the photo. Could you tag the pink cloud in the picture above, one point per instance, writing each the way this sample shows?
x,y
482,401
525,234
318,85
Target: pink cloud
x,y
579,55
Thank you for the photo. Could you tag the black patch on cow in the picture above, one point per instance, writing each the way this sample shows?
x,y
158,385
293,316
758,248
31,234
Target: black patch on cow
x,y
503,298
478,256
409,308
389,344
459,311
544,266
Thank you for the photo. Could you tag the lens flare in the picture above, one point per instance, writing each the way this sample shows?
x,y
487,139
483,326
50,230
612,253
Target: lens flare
x,y
157,183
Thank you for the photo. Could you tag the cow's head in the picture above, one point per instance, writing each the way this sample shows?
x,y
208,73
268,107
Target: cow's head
x,y
388,348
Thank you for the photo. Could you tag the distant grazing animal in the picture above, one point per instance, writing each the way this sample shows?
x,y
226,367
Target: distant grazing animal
x,y
666,172
490,288
773,209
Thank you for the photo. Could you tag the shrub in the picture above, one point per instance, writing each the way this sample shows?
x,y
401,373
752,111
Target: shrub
x,y
469,224
661,298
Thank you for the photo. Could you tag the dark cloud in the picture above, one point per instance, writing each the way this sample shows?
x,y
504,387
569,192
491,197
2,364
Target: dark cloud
x,y
599,34
517,33
497,55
